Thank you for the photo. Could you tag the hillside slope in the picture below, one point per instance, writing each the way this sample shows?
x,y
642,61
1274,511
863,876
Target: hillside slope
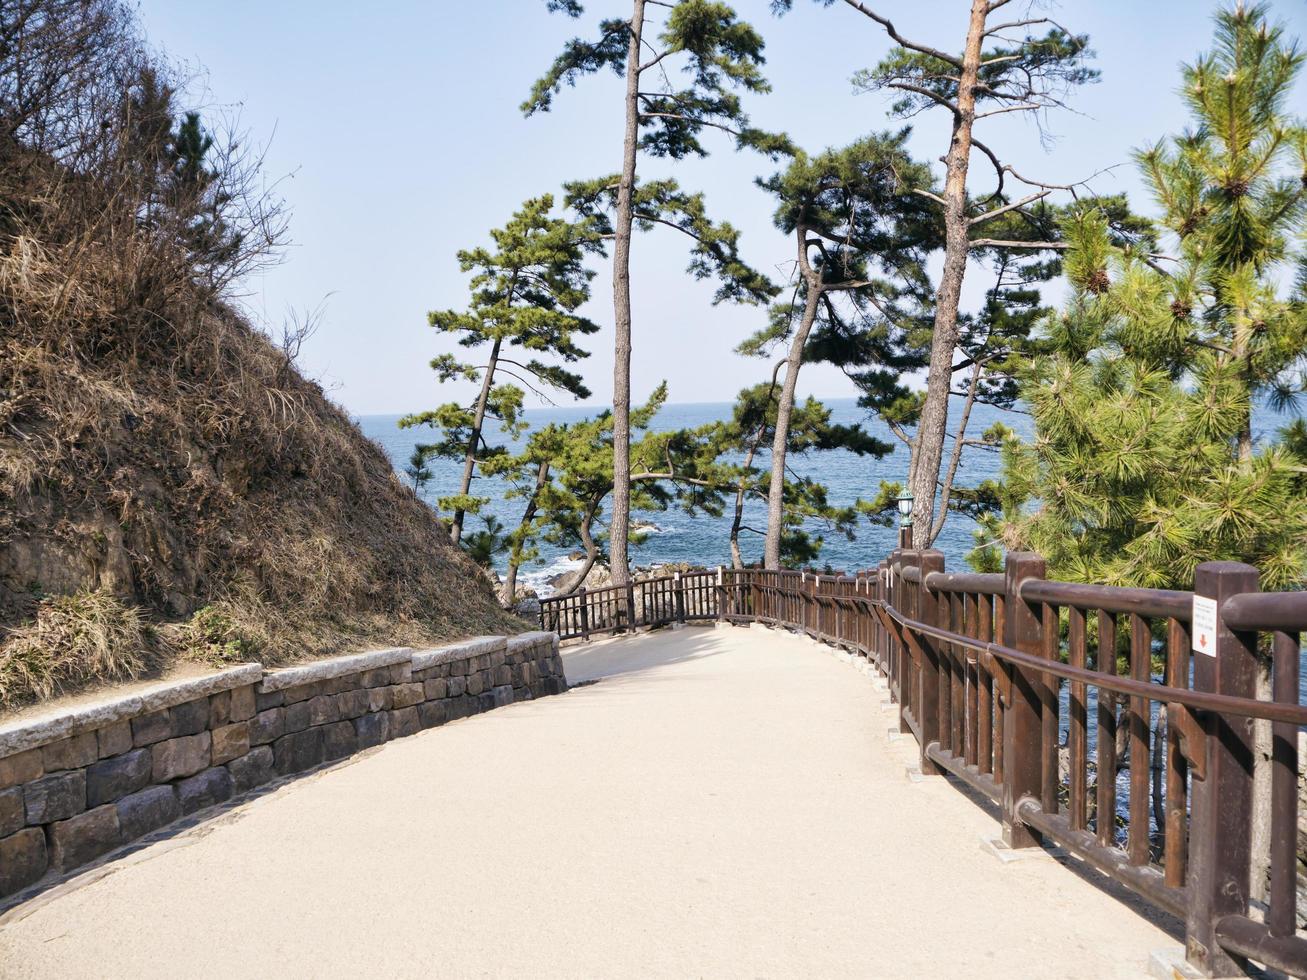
x,y
166,464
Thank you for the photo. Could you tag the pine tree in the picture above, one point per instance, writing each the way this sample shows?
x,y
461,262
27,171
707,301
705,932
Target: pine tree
x,y
734,446
861,243
721,55
525,293
1008,63
1144,462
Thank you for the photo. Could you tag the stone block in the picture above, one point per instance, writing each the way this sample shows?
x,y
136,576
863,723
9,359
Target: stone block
x,y
229,742
297,751
556,684
296,717
208,788
379,677
468,706
322,710
301,692
13,812
147,810
457,685
220,709
84,837
252,769
436,688
349,682
372,729
406,695
21,768
503,674
267,726
243,703
476,683
111,779
339,740
433,713
190,718
401,673
23,859
273,699
77,752
114,739
502,695
55,797
485,701
151,728
404,721
498,658
179,757
380,698
351,704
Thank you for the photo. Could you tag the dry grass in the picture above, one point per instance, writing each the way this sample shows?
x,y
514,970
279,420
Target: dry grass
x,y
74,639
161,458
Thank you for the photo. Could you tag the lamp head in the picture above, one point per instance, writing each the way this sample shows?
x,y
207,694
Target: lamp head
x,y
905,509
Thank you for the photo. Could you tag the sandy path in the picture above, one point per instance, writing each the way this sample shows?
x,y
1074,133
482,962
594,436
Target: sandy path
x,y
724,802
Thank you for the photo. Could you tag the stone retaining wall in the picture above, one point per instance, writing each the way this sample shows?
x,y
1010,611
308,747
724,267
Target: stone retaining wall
x,y
76,785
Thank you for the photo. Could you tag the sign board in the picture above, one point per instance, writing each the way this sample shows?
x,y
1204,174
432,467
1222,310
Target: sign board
x,y
1204,623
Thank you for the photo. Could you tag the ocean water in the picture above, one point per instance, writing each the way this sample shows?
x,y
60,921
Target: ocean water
x,y
706,540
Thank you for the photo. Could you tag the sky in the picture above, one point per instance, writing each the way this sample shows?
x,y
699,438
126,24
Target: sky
x,y
393,132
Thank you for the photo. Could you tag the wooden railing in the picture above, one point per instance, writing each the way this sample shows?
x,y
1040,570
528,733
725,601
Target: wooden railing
x,y
1017,686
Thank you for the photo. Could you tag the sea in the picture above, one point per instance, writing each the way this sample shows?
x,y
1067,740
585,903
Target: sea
x,y
705,540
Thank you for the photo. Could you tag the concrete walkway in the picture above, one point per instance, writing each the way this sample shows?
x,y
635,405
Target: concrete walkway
x,y
724,802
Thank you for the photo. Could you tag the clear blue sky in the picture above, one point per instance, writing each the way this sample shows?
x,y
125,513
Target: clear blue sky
x,y
399,128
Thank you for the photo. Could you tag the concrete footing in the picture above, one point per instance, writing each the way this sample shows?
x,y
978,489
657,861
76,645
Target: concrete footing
x,y
996,847
1170,964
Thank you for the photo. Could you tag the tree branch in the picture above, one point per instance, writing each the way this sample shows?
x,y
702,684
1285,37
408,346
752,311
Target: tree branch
x,y
1029,199
900,39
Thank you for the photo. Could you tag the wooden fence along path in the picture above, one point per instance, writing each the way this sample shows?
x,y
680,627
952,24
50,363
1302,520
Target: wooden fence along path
x,y
989,670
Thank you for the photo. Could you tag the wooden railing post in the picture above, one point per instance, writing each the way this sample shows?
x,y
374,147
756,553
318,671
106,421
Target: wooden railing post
x,y
905,601
902,659
1221,816
721,593
631,621
932,715
678,595
877,630
1023,721
585,614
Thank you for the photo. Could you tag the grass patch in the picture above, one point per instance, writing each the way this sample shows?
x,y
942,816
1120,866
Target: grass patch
x,y
74,639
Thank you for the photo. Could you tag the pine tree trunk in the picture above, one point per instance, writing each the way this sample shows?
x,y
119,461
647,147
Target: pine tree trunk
x,y
542,477
959,444
478,420
619,525
780,440
737,560
591,552
931,428
510,584
1263,746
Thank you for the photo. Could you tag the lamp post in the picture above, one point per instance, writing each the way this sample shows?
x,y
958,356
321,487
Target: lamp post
x,y
905,521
